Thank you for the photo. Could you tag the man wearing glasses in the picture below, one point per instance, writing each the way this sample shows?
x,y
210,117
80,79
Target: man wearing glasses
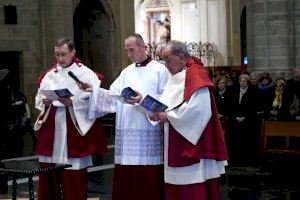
x,y
66,134
194,151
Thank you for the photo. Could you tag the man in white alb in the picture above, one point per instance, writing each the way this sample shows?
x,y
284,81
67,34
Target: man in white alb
x,y
138,144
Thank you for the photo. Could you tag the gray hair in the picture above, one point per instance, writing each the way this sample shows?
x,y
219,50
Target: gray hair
x,y
178,47
245,76
62,41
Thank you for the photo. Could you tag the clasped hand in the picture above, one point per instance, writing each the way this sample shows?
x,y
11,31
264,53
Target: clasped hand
x,y
132,100
64,101
160,116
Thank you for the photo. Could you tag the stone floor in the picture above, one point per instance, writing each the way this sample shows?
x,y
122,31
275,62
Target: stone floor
x,y
274,179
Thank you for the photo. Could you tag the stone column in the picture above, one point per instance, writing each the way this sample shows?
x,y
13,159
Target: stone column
x,y
147,28
296,26
270,36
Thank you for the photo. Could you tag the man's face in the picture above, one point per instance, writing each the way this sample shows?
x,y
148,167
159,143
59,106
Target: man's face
x,y
172,62
134,52
64,55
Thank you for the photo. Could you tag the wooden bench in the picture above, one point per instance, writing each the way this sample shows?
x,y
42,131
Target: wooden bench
x,y
286,130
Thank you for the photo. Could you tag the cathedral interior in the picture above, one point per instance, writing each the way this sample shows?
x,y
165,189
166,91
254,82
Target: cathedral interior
x,y
256,36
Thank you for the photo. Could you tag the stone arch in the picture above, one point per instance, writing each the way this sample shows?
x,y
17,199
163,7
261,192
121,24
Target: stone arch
x,y
94,36
107,8
242,5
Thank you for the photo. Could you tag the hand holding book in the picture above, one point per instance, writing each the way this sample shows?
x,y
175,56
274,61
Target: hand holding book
x,y
128,95
150,106
54,95
160,116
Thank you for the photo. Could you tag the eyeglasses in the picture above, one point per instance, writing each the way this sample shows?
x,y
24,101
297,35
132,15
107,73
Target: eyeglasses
x,y
168,60
62,54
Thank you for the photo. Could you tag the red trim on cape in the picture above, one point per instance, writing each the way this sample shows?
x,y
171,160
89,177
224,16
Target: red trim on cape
x,y
145,62
211,143
78,146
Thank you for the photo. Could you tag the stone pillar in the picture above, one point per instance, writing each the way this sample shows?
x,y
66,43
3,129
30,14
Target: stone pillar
x,y
296,26
126,20
147,28
270,36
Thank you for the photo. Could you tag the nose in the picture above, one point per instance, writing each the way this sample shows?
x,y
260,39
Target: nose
x,y
59,57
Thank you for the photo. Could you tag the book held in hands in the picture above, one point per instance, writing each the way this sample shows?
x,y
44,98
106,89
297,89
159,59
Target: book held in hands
x,y
125,94
55,94
150,105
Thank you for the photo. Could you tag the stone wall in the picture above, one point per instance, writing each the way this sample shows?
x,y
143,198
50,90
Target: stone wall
x,y
42,22
24,37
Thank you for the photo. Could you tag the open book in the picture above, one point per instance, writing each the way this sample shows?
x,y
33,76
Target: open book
x,y
55,94
150,105
125,94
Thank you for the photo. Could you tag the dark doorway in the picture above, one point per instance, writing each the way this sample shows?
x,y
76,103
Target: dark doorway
x,y
91,32
10,60
243,31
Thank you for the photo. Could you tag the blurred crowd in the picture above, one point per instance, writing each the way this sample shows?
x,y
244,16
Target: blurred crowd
x,y
244,99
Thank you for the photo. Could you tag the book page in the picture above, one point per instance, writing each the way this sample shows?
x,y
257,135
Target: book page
x,y
149,105
55,94
125,94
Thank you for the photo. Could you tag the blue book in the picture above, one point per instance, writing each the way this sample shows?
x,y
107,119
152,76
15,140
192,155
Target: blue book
x,y
152,105
127,92
55,94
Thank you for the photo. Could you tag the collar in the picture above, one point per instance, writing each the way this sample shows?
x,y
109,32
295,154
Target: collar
x,y
244,90
72,66
144,63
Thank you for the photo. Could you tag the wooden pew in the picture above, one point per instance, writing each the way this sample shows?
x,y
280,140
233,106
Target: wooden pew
x,y
277,128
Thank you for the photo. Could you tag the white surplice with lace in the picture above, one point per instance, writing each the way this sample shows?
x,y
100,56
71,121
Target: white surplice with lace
x,y
137,142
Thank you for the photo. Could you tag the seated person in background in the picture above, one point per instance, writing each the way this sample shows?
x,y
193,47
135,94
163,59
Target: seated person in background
x,y
281,102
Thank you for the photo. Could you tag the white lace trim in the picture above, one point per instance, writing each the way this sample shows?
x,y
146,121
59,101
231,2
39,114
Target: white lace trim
x,y
138,146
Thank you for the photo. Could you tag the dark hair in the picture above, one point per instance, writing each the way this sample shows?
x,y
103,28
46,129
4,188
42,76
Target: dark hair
x,y
265,75
222,78
178,47
138,37
62,41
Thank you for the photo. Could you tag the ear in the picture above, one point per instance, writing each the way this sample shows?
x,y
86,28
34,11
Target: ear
x,y
182,58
